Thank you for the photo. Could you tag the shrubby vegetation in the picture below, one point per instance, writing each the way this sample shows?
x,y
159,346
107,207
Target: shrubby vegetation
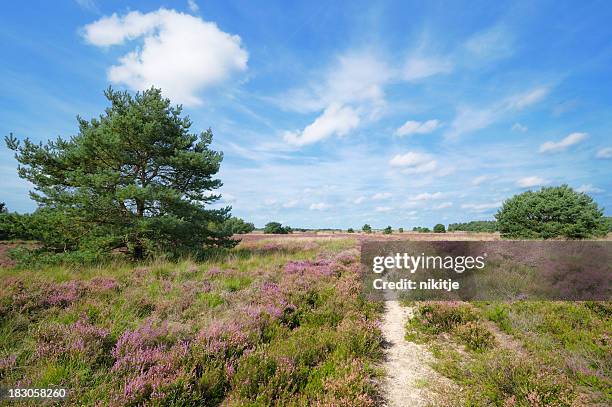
x,y
133,178
271,324
367,228
388,230
507,374
549,213
421,229
439,228
489,226
277,228
350,230
238,226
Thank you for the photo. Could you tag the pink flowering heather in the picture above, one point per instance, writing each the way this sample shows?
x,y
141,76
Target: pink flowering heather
x,y
225,338
7,363
319,268
213,271
64,294
102,284
80,338
155,371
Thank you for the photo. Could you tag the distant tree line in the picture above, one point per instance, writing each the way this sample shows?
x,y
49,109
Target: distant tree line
x,y
474,226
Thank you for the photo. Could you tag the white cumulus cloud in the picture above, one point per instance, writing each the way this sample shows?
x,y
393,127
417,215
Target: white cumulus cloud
x,y
563,144
336,119
415,127
533,181
179,53
519,127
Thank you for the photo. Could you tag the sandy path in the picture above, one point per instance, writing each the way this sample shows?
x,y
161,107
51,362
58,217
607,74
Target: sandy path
x,y
407,364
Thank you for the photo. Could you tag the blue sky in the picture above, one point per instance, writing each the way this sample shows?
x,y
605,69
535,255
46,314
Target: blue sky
x,y
336,114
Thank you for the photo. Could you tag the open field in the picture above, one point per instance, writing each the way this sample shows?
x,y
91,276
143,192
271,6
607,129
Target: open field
x,y
279,320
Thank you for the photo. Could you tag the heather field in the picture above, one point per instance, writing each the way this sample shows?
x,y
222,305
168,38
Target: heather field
x,y
279,320
271,322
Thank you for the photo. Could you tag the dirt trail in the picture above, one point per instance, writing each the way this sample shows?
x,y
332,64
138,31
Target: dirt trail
x,y
407,364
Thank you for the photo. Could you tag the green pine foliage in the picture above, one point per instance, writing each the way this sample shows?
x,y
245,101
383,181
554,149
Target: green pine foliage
x,y
135,178
550,213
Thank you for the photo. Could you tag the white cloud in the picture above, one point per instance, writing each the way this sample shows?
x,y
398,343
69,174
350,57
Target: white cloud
x,y
180,53
193,6
481,207
480,179
381,195
493,43
228,197
359,200
354,78
383,209
469,119
563,144
89,5
589,189
336,119
529,98
270,201
291,204
605,152
414,162
320,206
425,196
519,127
533,181
415,127
443,205
419,67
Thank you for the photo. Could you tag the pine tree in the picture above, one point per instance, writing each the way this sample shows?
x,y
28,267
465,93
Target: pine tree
x,y
134,177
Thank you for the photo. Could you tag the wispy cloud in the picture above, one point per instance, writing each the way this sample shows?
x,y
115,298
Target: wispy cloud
x,y
382,195
319,206
383,209
482,207
415,127
605,152
563,144
414,162
193,6
589,189
470,119
519,127
443,205
425,196
493,43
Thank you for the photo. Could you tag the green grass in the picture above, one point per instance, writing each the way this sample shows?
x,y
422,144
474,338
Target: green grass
x,y
558,353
